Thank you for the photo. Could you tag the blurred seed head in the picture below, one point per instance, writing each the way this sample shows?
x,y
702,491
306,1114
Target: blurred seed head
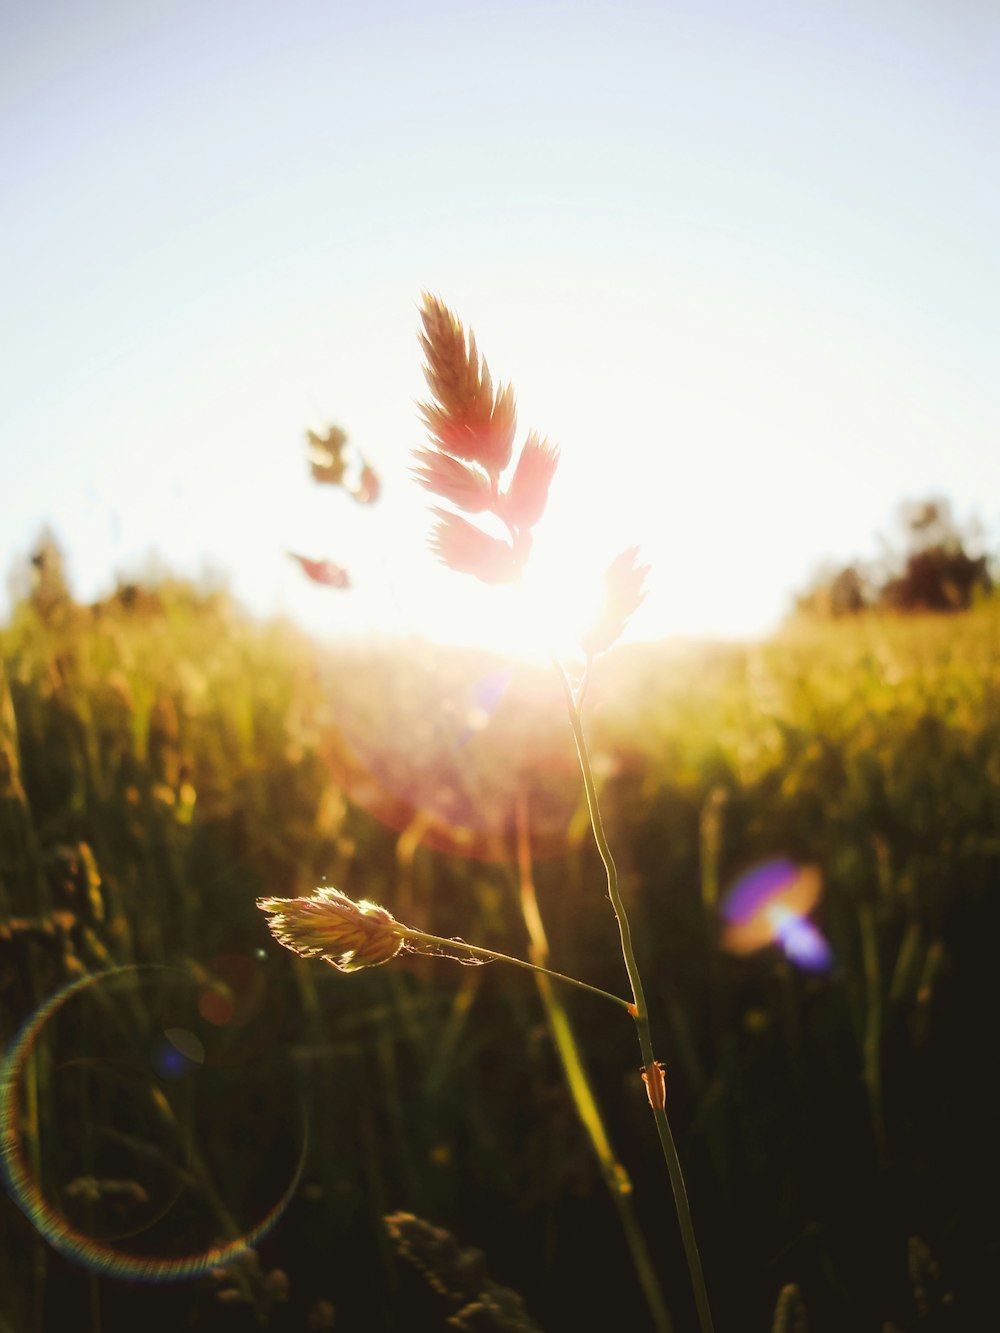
x,y
624,593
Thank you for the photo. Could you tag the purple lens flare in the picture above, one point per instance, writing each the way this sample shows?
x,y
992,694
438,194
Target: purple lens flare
x,y
770,905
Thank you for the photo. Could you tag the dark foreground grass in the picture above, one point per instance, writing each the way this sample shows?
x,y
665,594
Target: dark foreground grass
x,y
164,762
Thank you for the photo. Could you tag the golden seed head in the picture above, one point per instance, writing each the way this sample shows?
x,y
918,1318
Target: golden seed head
x,y
327,924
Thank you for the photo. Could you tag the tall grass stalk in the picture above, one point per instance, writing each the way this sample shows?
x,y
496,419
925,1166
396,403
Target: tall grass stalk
x,y
471,465
653,1072
578,1082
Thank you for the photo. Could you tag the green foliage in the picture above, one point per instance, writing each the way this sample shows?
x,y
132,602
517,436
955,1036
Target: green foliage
x,y
164,762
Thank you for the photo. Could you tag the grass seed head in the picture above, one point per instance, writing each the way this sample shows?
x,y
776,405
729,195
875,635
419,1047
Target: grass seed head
x,y
466,418
327,924
472,435
524,501
464,547
465,485
624,593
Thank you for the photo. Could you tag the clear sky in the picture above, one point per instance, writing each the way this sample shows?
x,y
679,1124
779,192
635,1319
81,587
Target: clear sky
x,y
740,262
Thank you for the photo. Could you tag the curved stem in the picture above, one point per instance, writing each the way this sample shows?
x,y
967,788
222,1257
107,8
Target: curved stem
x,y
441,942
639,1013
635,981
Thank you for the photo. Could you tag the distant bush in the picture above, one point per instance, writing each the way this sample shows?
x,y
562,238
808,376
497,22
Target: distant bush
x,y
935,571
940,578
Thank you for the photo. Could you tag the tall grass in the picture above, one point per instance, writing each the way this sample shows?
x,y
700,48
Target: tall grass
x,y
164,763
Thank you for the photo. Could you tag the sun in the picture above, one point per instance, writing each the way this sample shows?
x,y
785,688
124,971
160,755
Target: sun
x,y
530,621
546,612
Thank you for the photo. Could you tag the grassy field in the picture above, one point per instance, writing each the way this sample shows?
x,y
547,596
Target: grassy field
x,y
164,761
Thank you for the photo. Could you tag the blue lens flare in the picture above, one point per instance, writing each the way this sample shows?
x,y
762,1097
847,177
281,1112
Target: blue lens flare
x,y
803,944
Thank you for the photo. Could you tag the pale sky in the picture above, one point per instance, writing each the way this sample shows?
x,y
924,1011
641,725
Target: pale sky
x,y
739,261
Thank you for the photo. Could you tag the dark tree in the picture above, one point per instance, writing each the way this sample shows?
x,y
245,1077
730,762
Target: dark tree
x,y
938,573
934,570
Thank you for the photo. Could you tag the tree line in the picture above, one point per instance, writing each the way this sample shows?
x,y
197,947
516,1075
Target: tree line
x,y
939,566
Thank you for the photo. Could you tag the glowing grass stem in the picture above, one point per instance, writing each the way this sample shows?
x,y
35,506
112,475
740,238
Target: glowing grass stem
x,y
639,1012
417,939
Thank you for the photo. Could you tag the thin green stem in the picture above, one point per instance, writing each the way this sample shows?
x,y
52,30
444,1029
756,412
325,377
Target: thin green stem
x,y
635,981
441,942
638,1010
578,1082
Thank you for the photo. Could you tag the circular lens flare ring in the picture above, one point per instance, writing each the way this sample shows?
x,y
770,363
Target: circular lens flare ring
x,y
57,1229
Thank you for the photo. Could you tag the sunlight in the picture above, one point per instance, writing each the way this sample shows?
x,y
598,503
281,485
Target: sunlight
x,y
560,594
544,613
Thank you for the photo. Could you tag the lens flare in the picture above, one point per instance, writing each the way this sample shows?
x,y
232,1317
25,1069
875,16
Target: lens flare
x,y
178,1051
770,905
454,750
801,941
